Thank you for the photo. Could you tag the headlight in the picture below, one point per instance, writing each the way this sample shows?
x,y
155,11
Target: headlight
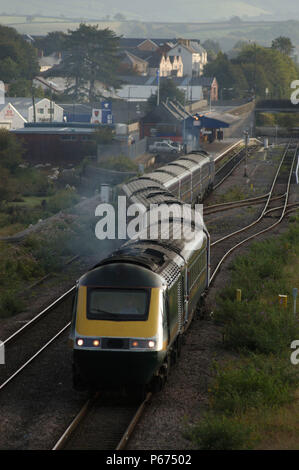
x,y
142,344
88,342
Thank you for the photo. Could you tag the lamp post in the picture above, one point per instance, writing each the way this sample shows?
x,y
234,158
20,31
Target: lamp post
x,y
184,131
129,96
158,91
246,137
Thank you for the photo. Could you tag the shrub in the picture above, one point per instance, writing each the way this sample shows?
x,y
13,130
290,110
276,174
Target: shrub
x,y
121,163
258,381
221,433
63,199
255,327
10,304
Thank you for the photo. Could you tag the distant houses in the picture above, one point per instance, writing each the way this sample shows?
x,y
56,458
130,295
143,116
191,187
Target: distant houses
x,y
18,111
172,57
175,58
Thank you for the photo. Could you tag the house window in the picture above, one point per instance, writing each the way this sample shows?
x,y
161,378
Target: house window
x,y
40,110
180,50
51,111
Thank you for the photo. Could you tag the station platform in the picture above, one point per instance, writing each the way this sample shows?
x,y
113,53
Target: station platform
x,y
216,147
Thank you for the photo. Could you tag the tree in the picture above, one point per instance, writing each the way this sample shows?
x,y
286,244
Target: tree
x,y
18,58
11,151
279,70
283,45
53,42
91,55
212,48
168,90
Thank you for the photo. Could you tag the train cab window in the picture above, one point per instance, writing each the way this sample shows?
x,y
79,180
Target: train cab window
x,y
118,304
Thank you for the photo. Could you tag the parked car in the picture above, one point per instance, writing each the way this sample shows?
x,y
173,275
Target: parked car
x,y
165,147
177,145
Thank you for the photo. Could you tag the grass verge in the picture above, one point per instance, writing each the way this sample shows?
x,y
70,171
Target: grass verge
x,y
252,397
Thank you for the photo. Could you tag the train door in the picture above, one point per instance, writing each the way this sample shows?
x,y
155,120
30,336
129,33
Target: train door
x,y
186,294
166,318
181,303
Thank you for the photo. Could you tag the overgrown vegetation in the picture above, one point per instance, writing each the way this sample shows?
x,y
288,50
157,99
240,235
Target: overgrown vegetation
x,y
287,120
260,380
27,194
235,193
120,163
40,254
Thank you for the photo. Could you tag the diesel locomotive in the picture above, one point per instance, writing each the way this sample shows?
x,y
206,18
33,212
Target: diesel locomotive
x,y
131,310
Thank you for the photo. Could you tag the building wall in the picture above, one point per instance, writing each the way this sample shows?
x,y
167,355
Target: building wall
x,y
186,56
193,63
46,111
10,118
52,148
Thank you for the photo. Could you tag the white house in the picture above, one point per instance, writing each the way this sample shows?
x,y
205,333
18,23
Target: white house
x,y
45,111
193,55
16,111
10,118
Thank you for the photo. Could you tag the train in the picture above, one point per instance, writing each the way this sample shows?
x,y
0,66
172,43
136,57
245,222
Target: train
x,y
132,309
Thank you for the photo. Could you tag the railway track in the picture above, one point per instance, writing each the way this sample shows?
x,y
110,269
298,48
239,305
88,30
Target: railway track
x,y
271,212
105,425
117,420
29,341
225,170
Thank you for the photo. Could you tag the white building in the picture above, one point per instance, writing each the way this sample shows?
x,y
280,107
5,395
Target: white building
x,y
45,111
17,111
139,88
194,56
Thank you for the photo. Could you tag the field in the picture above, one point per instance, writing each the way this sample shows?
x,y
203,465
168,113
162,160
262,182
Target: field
x,y
225,32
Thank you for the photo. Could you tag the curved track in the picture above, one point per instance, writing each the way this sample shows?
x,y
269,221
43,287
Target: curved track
x,y
269,212
115,419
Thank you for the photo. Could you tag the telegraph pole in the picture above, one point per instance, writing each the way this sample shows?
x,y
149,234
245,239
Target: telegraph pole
x,y
246,137
158,93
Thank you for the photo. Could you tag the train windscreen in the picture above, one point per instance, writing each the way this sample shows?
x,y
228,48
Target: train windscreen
x,y
117,304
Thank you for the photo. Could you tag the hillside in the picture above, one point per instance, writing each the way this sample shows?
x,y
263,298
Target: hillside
x,y
168,10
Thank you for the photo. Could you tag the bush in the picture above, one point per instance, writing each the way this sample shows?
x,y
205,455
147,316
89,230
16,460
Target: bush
x,y
34,183
119,164
63,199
10,305
255,327
259,381
221,433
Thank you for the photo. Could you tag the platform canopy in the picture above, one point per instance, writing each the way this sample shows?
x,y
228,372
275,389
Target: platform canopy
x,y
213,120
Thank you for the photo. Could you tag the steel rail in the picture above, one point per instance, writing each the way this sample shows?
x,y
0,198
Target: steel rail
x,y
284,207
39,316
75,423
231,170
4,384
124,440
267,202
242,203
